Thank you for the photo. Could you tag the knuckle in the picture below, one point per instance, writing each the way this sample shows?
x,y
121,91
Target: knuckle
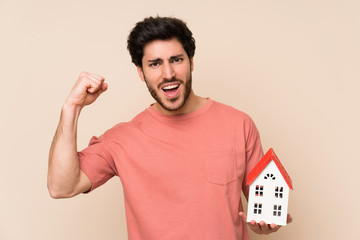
x,y
83,74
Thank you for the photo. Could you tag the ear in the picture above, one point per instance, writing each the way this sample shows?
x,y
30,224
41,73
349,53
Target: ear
x,y
192,64
141,73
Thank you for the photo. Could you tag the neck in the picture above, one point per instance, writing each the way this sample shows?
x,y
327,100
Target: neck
x,y
192,104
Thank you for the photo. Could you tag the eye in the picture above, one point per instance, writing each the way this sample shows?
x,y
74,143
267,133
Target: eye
x,y
177,60
154,64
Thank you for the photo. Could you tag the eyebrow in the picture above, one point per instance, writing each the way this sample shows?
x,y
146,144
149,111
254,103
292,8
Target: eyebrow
x,y
171,58
154,60
176,56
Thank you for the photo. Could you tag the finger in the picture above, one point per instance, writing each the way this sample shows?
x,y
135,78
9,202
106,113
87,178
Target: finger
x,y
104,87
274,227
254,226
90,80
87,74
264,226
253,223
96,94
94,85
98,77
243,216
289,218
99,90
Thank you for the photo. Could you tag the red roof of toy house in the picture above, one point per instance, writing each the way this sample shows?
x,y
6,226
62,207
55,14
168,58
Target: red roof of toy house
x,y
270,155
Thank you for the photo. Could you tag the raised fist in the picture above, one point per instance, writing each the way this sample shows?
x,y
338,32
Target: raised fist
x,y
86,90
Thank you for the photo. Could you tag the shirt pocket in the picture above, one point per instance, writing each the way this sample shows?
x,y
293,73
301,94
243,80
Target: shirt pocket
x,y
221,166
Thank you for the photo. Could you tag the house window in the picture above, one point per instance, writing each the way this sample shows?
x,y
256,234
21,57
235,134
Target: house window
x,y
269,176
279,192
257,208
259,190
277,210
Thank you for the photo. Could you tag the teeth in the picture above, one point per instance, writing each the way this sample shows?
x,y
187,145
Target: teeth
x,y
170,87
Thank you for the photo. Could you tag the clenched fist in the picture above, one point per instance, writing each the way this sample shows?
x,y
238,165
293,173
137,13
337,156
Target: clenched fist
x,y
86,90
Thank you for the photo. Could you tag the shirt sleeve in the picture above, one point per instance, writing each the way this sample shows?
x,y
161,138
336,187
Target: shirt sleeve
x,y
254,151
97,163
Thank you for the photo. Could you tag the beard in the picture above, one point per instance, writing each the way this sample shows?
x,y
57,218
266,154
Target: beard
x,y
185,95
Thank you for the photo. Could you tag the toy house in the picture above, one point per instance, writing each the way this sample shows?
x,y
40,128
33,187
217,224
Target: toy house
x,y
269,191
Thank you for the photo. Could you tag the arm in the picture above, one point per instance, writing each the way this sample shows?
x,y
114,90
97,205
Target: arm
x,y
65,178
253,155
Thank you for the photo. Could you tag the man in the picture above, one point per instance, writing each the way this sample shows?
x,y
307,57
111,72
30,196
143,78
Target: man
x,y
182,161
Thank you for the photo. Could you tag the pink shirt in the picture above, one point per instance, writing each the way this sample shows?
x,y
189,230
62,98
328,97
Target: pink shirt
x,y
182,175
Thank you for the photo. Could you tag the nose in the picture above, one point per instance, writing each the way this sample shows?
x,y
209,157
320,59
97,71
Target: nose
x,y
168,71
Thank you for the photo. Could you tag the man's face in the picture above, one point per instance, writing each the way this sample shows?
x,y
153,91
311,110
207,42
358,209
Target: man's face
x,y
167,72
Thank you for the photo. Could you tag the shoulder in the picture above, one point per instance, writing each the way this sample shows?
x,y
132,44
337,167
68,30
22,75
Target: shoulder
x,y
237,119
116,131
220,109
126,128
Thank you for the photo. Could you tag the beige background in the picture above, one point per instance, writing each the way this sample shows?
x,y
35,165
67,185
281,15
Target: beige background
x,y
292,65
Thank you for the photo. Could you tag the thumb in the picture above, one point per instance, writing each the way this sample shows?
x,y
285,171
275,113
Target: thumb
x,y
103,88
243,216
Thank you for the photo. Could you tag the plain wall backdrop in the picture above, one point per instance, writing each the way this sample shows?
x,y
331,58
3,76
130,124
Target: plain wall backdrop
x,y
293,66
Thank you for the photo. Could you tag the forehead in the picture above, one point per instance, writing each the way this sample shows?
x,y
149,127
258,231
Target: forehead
x,y
163,49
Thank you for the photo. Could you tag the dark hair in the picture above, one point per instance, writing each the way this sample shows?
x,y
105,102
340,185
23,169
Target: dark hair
x,y
154,28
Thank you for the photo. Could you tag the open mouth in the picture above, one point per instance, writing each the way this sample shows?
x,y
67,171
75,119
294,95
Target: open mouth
x,y
171,87
171,90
